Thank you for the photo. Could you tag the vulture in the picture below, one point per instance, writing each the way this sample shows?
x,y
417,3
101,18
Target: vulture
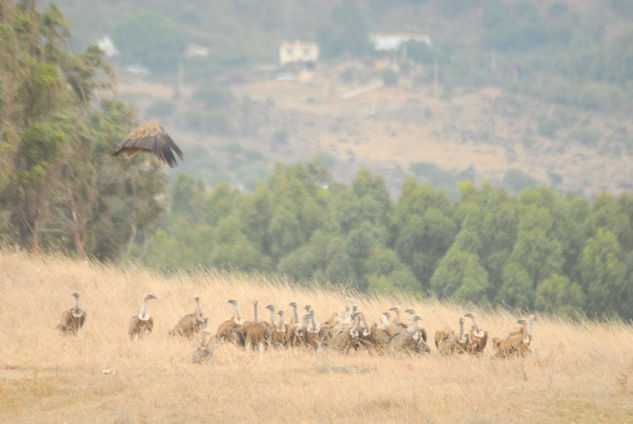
x,y
448,343
72,319
141,324
292,337
379,334
478,337
346,335
152,138
233,330
190,324
517,343
257,333
411,340
203,347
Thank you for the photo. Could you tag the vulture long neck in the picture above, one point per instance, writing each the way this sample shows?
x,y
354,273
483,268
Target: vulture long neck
x,y
236,312
354,330
76,307
198,308
461,330
143,315
476,326
384,322
280,323
295,315
366,330
272,316
526,331
75,311
397,312
315,327
304,322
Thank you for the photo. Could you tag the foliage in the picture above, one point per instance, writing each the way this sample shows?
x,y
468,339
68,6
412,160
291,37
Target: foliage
x,y
513,25
152,40
60,186
540,250
345,32
517,180
556,295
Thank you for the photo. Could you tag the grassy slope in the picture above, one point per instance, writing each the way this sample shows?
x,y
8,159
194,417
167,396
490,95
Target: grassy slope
x,y
571,377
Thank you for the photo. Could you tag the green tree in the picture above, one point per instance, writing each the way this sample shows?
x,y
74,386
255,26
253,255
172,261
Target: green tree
x,y
232,250
517,289
556,295
255,216
322,259
62,186
345,33
285,231
535,249
386,273
604,274
425,228
615,215
151,40
460,276
187,197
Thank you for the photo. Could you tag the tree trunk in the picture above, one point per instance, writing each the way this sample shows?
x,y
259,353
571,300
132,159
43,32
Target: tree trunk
x,y
80,244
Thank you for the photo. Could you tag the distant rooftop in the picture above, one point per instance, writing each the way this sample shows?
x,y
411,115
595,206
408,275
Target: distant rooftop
x,y
386,42
197,51
298,52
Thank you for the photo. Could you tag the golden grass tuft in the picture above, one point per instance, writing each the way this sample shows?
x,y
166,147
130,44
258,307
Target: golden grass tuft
x,y
578,372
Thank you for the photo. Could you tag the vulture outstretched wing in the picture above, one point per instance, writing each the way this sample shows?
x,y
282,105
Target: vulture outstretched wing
x,y
153,138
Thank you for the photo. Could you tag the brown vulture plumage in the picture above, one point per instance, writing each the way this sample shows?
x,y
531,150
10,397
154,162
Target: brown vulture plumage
x,y
72,319
153,138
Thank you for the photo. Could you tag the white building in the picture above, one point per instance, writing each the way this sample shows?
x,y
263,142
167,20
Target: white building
x,y
106,44
194,50
393,42
298,52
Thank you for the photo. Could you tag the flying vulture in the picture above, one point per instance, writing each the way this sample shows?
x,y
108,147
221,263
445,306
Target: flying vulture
x,y
153,138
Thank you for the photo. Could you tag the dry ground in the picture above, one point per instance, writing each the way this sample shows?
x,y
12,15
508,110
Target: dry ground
x,y
577,373
387,128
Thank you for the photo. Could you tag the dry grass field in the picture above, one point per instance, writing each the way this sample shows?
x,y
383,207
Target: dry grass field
x,y
578,372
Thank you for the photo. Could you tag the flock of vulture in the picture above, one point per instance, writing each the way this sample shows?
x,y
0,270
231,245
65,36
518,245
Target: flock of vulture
x,y
344,332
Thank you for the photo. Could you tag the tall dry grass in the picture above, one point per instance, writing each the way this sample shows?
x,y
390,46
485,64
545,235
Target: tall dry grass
x,y
578,372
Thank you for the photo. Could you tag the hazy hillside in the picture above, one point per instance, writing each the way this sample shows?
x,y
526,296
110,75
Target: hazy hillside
x,y
523,93
578,372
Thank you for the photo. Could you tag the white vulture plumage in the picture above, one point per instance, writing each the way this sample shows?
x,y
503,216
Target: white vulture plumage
x,y
142,323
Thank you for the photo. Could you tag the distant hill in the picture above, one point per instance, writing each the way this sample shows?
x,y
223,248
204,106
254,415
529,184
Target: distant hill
x,y
560,72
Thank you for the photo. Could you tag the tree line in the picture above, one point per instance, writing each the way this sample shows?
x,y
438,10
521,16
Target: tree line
x,y
539,250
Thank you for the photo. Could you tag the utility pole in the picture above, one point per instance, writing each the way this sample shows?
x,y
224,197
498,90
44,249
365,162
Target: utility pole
x,y
436,77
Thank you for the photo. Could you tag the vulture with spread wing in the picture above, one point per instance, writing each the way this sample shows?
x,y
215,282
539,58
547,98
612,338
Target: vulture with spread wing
x,y
153,138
